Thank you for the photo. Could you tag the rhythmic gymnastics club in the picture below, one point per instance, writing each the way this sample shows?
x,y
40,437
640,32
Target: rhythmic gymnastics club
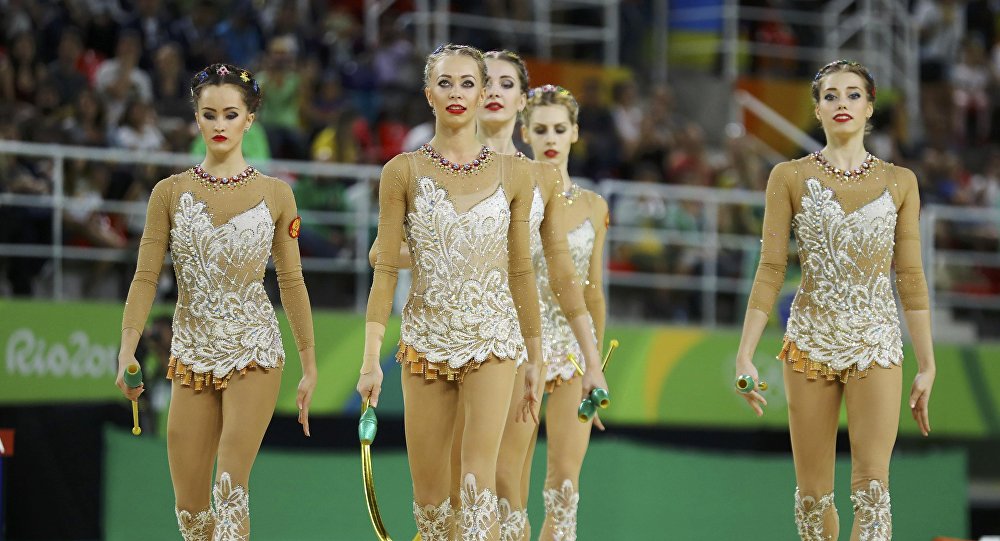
x,y
133,379
598,397
367,428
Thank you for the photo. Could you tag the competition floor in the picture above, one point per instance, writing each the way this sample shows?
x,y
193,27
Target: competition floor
x,y
629,492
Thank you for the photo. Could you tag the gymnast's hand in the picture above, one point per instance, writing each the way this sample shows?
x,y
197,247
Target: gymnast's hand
x,y
370,383
303,398
753,398
130,393
532,394
920,397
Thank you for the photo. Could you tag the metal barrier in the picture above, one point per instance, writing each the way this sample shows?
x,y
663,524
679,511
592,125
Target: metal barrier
x,y
703,242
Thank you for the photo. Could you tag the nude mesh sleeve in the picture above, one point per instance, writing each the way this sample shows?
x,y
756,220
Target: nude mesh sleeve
x,y
152,247
288,268
774,242
562,274
593,289
521,272
910,280
392,207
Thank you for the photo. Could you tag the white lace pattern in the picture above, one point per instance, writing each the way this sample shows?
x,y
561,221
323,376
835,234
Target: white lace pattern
x,y
560,510
480,511
512,521
873,512
232,509
558,340
433,522
460,307
844,313
223,320
197,527
809,516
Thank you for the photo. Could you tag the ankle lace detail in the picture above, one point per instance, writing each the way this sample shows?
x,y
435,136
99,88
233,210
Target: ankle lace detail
x,y
512,521
433,522
232,509
560,506
809,515
480,511
197,527
873,512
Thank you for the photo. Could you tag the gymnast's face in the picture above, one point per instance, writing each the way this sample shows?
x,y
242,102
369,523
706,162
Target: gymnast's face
x,y
551,133
504,98
455,90
843,107
222,117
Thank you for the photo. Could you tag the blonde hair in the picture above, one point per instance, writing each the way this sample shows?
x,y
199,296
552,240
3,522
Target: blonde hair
x,y
451,49
550,95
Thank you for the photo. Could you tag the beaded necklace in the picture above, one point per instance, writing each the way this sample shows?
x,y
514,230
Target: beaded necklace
x,y
572,193
485,156
858,174
217,183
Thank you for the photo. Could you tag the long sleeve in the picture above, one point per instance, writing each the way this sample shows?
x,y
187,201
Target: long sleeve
x,y
910,280
152,247
521,273
392,208
562,274
288,268
774,242
593,290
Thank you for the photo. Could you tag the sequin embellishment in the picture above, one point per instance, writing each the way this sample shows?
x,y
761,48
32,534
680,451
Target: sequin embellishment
x,y
460,306
223,319
844,313
560,507
873,512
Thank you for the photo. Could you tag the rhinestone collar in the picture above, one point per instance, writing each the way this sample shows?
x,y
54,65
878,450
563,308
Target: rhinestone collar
x,y
215,182
485,156
856,175
572,193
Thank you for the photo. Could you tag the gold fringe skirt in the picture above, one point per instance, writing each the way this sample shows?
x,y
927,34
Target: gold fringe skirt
x,y
554,384
800,362
183,374
417,363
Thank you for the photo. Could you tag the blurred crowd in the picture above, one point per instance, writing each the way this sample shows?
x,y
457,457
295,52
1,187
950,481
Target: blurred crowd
x,y
115,73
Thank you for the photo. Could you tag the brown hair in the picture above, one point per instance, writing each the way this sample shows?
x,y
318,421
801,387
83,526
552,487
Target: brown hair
x,y
449,49
517,61
228,74
848,66
550,95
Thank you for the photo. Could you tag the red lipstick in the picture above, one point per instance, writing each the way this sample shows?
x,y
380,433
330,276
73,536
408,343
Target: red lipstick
x,y
551,153
220,138
842,117
455,109
494,106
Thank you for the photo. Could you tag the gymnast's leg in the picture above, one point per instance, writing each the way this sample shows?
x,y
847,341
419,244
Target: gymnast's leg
x,y
194,423
568,440
514,447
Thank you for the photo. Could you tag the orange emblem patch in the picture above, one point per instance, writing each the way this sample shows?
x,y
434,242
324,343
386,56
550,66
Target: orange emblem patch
x,y
607,220
294,227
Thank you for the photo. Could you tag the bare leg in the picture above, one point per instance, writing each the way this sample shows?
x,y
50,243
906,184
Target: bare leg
x,y
194,424
456,465
568,440
813,414
429,421
247,408
873,421
486,396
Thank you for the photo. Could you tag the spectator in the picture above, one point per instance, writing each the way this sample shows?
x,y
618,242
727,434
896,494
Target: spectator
x,y
88,123
282,99
172,96
597,142
137,129
970,81
65,72
22,73
152,23
196,34
628,115
120,79
239,37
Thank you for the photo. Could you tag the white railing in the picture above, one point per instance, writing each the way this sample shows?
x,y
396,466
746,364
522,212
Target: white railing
x,y
704,243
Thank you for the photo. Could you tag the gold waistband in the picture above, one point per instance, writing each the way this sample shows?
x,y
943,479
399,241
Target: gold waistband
x,y
418,364
800,362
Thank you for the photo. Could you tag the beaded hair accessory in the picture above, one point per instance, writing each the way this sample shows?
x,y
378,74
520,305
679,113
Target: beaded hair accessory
x,y
245,77
548,89
223,70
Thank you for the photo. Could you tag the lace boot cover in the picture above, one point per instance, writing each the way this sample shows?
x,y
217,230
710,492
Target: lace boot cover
x,y
512,521
197,527
434,522
873,512
480,511
810,516
560,510
232,509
